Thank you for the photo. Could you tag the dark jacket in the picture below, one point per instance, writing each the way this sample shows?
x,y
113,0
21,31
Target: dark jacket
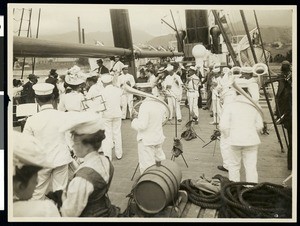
x,y
53,81
103,70
27,94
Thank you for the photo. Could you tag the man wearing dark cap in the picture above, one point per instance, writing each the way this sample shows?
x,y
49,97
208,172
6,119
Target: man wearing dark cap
x,y
284,104
44,126
52,79
27,95
101,69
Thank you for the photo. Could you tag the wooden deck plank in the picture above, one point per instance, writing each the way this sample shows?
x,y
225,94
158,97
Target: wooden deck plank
x,y
194,211
209,213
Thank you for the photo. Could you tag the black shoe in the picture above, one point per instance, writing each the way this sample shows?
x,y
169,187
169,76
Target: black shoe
x,y
205,108
179,120
222,168
211,115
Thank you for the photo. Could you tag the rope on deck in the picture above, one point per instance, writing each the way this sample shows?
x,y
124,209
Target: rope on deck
x,y
255,200
243,199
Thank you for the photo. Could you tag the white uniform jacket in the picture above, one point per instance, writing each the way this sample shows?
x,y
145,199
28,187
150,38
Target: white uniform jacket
x,y
44,126
123,78
172,80
112,99
193,85
241,122
93,98
149,122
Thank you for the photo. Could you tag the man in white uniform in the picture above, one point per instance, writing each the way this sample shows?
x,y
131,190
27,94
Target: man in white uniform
x,y
173,85
240,123
127,98
193,83
44,126
93,97
227,96
112,117
150,135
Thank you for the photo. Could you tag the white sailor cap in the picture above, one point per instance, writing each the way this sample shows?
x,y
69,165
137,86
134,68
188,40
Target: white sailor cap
x,y
161,69
169,68
125,67
83,123
106,78
242,82
193,68
247,70
216,69
225,69
27,150
217,65
43,89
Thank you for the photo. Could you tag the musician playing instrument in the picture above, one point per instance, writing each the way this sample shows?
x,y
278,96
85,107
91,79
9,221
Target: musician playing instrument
x,y
173,86
193,83
112,117
148,123
240,123
127,98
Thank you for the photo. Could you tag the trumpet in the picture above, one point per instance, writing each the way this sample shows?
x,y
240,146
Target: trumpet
x,y
131,90
259,70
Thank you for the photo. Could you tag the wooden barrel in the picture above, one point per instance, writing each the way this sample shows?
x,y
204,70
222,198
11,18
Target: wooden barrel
x,y
157,187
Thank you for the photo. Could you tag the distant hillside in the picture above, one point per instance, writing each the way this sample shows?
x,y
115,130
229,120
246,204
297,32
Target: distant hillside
x,y
269,35
138,36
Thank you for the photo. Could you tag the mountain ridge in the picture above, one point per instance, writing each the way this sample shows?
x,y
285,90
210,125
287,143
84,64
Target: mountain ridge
x,y
269,35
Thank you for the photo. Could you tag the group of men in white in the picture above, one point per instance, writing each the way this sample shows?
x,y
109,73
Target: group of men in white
x,y
105,94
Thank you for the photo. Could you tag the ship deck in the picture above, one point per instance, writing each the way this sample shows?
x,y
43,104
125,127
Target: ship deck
x,y
271,165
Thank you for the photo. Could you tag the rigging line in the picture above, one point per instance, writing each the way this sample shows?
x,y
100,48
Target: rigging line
x,y
179,20
262,45
233,30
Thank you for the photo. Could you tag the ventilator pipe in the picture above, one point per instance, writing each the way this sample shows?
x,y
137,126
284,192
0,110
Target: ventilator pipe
x,y
215,33
199,52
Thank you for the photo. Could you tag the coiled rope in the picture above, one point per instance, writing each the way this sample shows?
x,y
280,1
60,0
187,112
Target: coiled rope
x,y
252,200
201,198
243,199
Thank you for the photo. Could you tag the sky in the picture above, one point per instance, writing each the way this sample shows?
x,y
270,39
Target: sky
x,y
58,18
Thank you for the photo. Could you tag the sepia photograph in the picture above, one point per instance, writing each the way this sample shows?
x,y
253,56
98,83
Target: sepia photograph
x,y
152,113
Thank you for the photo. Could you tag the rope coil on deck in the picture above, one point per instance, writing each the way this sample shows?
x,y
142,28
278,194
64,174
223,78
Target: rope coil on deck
x,y
201,198
243,199
252,200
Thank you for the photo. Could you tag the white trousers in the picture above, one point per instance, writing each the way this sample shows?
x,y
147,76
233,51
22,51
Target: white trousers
x,y
249,156
225,151
174,104
58,176
193,103
216,109
126,99
113,137
149,154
